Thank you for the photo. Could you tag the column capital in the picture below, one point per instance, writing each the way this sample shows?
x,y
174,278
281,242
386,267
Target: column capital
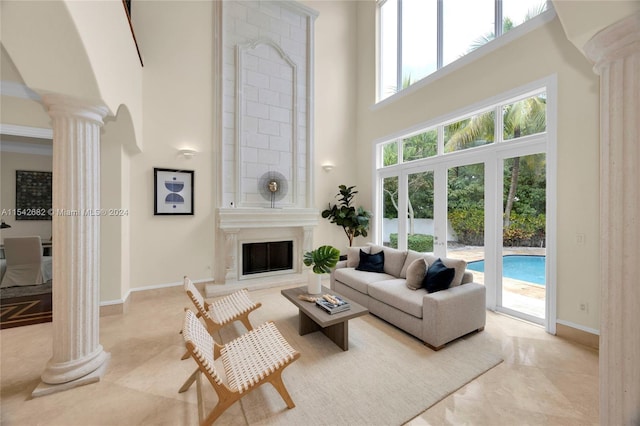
x,y
614,42
66,106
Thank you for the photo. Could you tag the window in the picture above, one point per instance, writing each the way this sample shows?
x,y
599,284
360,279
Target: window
x,y
519,117
418,37
476,130
478,186
423,145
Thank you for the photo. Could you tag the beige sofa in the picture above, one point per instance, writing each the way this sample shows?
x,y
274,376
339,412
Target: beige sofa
x,y
435,318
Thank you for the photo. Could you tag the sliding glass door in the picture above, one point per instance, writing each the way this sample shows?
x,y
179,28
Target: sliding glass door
x,y
523,278
465,213
480,186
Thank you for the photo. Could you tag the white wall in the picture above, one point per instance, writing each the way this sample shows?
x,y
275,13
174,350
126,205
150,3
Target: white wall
x,y
336,91
538,54
176,40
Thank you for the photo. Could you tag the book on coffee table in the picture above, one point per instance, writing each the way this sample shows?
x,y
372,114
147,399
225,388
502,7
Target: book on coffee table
x,y
333,308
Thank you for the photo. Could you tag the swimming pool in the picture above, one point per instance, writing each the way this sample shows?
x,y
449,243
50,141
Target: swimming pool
x,y
518,267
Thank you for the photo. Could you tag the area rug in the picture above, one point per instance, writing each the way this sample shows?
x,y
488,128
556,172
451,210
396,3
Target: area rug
x,y
25,310
387,377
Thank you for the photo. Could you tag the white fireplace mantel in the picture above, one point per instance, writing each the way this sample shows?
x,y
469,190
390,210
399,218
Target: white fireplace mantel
x,y
237,226
241,218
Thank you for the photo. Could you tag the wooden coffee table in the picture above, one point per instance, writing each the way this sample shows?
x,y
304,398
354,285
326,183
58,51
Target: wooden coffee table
x,y
312,318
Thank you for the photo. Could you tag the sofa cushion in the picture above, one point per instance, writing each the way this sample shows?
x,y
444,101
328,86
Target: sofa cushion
x,y
458,264
393,259
438,277
415,273
359,280
395,293
371,262
411,256
353,255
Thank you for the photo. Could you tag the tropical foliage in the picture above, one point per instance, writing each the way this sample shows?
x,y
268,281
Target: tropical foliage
x,y
354,221
524,177
322,259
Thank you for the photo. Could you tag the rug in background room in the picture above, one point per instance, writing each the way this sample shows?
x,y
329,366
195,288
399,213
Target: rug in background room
x,y
25,305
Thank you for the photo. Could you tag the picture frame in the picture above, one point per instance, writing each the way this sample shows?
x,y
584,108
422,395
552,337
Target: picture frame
x,y
173,192
33,195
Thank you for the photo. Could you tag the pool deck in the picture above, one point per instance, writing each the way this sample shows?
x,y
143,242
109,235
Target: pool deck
x,y
520,295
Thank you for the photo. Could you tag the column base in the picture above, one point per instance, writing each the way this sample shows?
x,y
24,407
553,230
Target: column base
x,y
44,389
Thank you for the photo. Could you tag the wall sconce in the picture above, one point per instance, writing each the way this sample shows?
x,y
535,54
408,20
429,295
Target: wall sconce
x,y
187,153
328,167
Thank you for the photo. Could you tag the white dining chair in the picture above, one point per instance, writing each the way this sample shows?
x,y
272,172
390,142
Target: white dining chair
x,y
24,262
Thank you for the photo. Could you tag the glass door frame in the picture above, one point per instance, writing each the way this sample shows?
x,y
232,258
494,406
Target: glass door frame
x,y
494,220
493,157
493,244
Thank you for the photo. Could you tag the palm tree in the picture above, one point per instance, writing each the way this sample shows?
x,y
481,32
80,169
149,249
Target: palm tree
x,y
522,118
507,25
525,117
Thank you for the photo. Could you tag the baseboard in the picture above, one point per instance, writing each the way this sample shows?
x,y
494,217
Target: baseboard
x,y
115,307
571,332
121,306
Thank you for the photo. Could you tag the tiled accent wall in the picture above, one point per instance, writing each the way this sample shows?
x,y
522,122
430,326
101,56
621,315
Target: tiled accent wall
x,y
266,97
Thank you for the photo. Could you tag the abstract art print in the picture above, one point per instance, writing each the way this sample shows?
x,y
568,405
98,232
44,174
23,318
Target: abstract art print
x,y
173,191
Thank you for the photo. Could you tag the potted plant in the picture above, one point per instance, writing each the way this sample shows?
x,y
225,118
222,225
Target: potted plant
x,y
322,260
354,221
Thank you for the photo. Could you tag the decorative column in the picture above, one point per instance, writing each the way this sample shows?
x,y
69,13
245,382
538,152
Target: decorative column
x,y
616,53
78,358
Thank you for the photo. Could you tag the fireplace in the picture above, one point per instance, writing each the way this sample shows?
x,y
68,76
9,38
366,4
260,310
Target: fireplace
x,y
240,227
267,256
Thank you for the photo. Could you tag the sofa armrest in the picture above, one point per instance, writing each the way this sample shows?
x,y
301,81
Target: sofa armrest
x,y
340,264
452,313
467,277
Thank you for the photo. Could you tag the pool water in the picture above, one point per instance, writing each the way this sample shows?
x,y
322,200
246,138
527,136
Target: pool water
x,y
518,267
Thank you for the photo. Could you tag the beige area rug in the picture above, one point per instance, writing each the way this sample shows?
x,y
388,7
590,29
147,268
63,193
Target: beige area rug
x,y
387,377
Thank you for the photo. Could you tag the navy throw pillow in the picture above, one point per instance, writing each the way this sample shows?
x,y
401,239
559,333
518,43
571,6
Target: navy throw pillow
x,y
371,262
438,277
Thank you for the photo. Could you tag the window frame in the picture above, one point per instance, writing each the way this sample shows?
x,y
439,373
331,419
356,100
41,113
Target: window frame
x,y
500,40
492,155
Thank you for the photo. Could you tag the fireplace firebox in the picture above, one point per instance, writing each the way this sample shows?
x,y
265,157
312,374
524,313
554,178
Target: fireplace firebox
x,y
268,256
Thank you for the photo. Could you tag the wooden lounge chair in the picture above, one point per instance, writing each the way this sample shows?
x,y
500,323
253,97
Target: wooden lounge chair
x,y
225,310
233,307
238,367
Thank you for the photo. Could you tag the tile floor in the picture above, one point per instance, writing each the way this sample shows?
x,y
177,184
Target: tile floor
x,y
544,380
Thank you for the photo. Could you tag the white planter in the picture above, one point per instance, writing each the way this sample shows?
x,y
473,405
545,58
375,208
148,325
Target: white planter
x,y
314,284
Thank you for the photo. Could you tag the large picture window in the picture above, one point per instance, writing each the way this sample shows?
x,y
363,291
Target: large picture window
x,y
476,186
418,37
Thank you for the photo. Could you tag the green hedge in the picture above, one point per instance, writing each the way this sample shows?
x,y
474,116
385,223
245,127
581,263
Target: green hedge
x,y
418,242
524,230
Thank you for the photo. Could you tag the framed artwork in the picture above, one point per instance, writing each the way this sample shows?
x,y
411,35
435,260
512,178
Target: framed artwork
x,y
33,195
172,191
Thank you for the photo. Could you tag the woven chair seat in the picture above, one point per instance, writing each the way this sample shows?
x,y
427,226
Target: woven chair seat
x,y
252,356
217,314
255,358
228,308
